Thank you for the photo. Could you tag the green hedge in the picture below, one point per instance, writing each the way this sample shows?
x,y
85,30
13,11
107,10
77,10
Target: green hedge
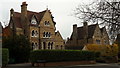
x,y
61,55
5,56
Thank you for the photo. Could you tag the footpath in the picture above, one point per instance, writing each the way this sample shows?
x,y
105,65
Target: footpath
x,y
28,65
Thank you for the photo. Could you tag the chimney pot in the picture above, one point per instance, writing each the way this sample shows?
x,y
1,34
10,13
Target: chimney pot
x,y
23,3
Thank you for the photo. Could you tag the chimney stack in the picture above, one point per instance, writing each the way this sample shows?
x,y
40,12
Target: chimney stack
x,y
85,27
24,22
24,9
75,31
11,12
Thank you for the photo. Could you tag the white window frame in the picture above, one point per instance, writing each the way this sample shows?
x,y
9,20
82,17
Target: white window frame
x,y
47,23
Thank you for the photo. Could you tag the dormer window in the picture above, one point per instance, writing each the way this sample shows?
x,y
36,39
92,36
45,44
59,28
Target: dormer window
x,y
46,23
33,21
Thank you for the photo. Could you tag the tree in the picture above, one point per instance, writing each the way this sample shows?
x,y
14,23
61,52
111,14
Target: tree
x,y
104,12
19,48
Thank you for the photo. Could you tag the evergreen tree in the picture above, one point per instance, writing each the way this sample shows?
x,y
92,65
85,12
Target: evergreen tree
x,y
19,48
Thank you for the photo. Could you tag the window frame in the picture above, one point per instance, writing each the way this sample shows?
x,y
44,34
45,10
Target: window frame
x,y
32,35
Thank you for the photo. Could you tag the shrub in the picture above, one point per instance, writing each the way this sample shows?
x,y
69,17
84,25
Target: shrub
x,y
105,50
61,55
5,56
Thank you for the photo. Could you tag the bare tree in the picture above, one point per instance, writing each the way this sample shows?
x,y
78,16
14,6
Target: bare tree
x,y
104,12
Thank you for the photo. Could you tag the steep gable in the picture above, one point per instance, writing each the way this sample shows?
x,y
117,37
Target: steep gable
x,y
97,32
48,17
58,36
104,32
34,21
105,36
39,15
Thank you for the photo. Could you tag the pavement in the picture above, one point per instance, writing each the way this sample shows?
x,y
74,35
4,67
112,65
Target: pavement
x,y
20,64
100,65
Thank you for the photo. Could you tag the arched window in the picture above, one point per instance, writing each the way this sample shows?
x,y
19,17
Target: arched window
x,y
52,45
49,45
33,33
44,34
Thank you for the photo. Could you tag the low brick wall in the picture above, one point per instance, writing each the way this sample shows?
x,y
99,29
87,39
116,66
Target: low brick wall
x,y
63,63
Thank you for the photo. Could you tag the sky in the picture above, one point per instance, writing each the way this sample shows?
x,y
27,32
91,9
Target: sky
x,y
62,10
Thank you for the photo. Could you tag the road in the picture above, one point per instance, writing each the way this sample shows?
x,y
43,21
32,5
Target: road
x,y
76,66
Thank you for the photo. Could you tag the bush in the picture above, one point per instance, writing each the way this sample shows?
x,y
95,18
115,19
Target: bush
x,y
61,55
5,56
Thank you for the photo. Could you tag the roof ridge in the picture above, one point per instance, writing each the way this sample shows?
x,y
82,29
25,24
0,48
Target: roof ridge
x,y
17,12
88,25
32,11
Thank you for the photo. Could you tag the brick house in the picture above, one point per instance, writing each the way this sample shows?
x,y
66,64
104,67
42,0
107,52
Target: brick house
x,y
87,34
39,27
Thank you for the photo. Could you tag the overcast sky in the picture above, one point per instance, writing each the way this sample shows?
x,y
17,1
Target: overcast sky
x,y
62,11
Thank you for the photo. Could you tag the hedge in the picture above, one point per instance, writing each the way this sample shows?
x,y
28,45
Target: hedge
x,y
61,55
5,56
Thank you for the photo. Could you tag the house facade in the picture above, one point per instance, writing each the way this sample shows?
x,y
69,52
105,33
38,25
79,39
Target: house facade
x,y
39,27
87,34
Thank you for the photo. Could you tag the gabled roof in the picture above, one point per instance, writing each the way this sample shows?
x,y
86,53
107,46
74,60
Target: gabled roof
x,y
58,33
16,19
39,15
81,32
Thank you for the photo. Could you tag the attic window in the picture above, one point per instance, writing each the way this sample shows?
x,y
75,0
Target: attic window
x,y
33,21
46,23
